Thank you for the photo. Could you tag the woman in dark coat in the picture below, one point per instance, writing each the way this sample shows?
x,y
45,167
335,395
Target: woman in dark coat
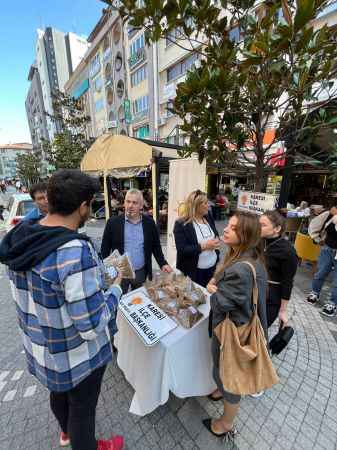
x,y
281,261
197,240
232,289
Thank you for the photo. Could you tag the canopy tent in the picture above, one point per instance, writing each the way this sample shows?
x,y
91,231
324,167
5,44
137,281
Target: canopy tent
x,y
120,156
125,157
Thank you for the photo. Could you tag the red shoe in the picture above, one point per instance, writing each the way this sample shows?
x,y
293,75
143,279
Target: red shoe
x,y
64,440
115,443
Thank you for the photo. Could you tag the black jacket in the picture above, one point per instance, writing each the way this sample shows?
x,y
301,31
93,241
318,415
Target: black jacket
x,y
281,262
188,249
113,238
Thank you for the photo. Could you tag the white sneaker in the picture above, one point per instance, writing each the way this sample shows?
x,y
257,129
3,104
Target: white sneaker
x,y
257,395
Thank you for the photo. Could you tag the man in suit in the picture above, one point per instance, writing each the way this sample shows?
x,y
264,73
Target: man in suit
x,y
136,235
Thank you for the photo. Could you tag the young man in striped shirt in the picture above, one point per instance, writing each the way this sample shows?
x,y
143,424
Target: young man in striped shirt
x,y
66,318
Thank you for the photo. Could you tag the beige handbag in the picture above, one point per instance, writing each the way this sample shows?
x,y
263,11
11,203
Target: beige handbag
x,y
245,365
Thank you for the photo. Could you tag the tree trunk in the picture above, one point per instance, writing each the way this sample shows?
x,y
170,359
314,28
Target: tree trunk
x,y
260,175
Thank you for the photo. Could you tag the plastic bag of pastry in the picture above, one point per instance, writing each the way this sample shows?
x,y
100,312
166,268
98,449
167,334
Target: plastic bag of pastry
x,y
110,274
122,263
189,317
198,297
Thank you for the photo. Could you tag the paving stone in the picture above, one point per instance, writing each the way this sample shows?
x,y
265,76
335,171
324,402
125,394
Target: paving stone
x,y
191,415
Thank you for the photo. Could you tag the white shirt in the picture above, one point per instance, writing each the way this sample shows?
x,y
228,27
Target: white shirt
x,y
204,232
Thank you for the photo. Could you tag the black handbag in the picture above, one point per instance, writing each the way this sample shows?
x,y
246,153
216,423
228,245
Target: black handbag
x,y
281,340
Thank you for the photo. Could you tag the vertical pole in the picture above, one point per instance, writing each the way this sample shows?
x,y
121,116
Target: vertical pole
x,y
106,196
155,188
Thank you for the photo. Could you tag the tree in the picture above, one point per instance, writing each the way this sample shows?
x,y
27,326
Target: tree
x,y
260,67
70,143
28,168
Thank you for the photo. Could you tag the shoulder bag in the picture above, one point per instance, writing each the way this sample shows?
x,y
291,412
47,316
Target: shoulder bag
x,y
245,365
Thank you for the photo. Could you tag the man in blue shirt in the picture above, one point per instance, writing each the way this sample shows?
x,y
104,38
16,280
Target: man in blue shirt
x,y
38,192
137,235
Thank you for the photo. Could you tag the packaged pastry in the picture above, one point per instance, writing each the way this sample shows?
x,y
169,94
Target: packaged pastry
x,y
122,263
188,317
177,296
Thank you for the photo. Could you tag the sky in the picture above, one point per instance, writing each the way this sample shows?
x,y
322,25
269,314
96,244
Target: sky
x,y
19,20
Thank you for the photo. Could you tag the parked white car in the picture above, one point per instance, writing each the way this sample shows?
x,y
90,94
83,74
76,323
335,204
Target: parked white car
x,y
18,206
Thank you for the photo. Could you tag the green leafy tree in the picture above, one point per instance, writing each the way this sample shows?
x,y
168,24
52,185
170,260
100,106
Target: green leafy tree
x,y
71,142
28,168
273,76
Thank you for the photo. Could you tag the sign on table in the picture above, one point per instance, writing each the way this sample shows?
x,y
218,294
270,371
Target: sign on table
x,y
148,321
256,202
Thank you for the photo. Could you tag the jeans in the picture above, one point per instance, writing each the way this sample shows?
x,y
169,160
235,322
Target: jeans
x,y
326,262
75,410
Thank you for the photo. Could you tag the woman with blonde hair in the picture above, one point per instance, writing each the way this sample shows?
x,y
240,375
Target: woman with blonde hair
x,y
232,289
197,240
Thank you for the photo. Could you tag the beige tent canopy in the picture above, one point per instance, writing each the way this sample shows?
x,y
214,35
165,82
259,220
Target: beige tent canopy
x,y
120,156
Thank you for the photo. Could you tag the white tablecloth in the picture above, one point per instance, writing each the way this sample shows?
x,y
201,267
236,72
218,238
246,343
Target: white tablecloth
x,y
181,363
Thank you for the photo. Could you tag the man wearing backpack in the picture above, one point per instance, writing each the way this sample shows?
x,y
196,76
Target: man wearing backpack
x,y
323,231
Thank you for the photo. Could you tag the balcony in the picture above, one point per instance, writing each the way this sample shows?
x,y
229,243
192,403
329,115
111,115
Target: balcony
x,y
331,7
137,58
140,116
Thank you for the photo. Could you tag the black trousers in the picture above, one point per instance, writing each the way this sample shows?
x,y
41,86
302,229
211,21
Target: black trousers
x,y
75,410
136,283
273,303
203,276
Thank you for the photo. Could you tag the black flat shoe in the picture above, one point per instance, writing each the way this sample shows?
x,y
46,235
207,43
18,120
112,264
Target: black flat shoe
x,y
214,399
227,435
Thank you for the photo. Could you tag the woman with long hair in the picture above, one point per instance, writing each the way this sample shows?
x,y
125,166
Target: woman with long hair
x,y
197,240
281,261
232,289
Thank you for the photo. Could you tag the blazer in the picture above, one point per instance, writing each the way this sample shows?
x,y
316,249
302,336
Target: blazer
x,y
113,238
188,249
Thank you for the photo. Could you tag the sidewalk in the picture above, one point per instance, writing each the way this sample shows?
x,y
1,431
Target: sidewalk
x,y
299,413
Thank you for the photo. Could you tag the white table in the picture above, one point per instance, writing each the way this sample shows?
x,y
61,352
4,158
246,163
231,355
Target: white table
x,y
181,363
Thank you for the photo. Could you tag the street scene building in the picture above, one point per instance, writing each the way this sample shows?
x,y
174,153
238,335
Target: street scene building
x,y
8,155
168,245
57,56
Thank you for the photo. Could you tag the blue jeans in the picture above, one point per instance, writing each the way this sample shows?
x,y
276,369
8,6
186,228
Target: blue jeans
x,y
326,262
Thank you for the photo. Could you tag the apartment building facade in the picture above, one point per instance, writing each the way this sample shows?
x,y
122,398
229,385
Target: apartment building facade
x,y
101,81
57,55
8,155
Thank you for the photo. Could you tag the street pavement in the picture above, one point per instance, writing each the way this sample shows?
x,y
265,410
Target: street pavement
x,y
299,413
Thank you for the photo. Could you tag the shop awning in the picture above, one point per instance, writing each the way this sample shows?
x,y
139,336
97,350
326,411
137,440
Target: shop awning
x,y
116,154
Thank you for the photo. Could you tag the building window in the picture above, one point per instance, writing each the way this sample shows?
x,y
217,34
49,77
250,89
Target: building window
x,y
108,72
139,75
109,96
121,113
99,105
141,104
120,88
118,61
181,67
95,65
143,132
117,33
98,84
112,116
137,44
